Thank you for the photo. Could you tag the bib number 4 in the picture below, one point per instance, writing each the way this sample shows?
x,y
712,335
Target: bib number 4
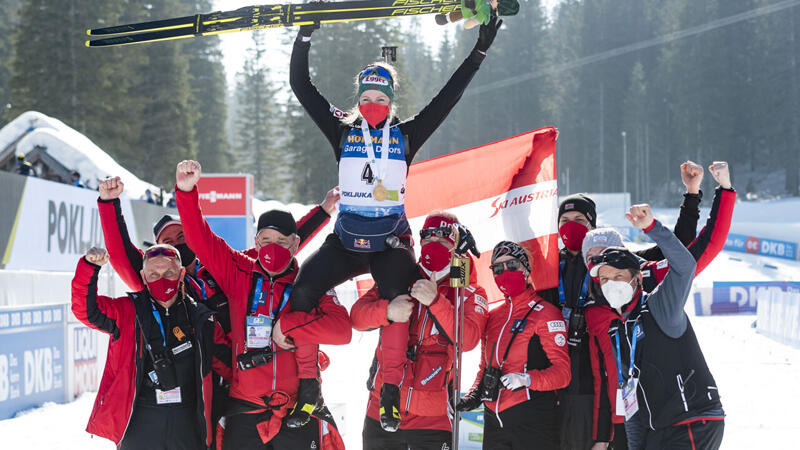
x,y
367,175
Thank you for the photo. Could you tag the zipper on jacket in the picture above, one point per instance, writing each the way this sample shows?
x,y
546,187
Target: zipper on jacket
x,y
500,364
135,387
408,399
681,384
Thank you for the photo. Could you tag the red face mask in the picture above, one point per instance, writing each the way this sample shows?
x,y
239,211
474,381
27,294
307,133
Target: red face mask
x,y
511,282
163,289
274,258
572,234
435,256
374,113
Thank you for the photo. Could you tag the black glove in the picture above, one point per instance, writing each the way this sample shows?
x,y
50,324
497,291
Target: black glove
x,y
487,33
470,401
307,30
466,242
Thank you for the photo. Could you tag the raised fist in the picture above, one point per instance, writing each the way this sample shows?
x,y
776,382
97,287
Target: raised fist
x,y
692,176
97,256
721,173
329,204
187,174
640,216
111,188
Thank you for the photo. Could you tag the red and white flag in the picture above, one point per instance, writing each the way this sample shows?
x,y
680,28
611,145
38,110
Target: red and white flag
x,y
506,190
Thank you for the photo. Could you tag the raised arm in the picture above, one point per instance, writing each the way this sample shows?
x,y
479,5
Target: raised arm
x,y
95,311
421,127
316,219
321,111
668,299
126,258
224,263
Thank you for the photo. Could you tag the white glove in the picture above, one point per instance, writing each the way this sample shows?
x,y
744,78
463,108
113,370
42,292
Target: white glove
x,y
516,380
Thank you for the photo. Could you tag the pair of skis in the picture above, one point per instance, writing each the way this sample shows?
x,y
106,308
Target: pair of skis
x,y
268,16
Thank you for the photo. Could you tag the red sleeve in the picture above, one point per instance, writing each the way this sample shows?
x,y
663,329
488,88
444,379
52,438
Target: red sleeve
x,y
224,263
484,357
310,224
711,239
556,376
327,324
95,311
475,315
222,355
603,364
369,311
125,258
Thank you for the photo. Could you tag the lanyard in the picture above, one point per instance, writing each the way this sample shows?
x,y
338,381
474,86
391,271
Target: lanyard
x,y
381,168
258,297
157,316
562,298
635,337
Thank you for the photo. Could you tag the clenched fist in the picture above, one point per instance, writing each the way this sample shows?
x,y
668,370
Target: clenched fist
x,y
424,291
721,173
111,188
97,256
187,174
692,176
329,204
400,309
640,216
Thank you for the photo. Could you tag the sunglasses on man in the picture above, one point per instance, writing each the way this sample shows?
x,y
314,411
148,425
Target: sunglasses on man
x,y
160,251
511,264
440,232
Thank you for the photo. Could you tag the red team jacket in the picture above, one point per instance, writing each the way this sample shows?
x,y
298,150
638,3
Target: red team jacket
x,y
423,395
237,273
113,405
547,362
599,316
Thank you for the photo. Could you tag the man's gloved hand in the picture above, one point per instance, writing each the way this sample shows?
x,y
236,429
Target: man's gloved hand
x,y
470,401
515,380
466,242
307,30
487,33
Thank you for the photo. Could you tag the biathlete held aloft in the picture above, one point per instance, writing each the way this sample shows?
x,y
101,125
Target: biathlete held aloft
x,y
373,150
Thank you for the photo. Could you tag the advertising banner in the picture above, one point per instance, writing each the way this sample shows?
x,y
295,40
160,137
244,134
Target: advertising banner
x,y
55,225
738,297
761,246
32,355
226,202
83,361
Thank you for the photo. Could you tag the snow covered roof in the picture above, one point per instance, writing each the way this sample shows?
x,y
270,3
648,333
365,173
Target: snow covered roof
x,y
69,147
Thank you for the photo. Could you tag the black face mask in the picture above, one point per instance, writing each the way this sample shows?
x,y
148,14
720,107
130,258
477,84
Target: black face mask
x,y
187,255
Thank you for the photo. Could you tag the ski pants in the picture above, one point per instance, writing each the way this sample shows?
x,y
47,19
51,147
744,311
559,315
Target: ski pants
x,y
393,270
531,425
698,435
241,434
163,428
376,438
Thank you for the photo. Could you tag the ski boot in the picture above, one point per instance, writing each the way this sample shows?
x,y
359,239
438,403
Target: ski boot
x,y
308,399
390,407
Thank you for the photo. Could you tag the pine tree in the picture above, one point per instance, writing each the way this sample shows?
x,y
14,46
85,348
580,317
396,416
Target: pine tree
x,y
9,12
258,147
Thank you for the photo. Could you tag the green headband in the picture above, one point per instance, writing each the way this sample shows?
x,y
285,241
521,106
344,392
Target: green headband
x,y
376,79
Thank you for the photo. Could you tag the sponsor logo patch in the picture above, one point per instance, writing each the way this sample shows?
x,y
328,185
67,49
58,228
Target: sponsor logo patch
x,y
480,301
560,340
538,307
662,264
361,243
427,379
555,326
375,79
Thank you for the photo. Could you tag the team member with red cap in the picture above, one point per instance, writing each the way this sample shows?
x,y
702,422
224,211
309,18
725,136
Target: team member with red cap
x,y
524,361
156,387
264,380
416,346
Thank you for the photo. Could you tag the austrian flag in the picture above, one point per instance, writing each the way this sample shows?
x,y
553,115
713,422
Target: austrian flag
x,y
506,190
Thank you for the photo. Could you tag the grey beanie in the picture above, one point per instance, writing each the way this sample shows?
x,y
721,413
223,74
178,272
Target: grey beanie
x,y
601,237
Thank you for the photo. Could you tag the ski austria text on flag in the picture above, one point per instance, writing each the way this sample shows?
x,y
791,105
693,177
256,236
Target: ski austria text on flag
x,y
506,190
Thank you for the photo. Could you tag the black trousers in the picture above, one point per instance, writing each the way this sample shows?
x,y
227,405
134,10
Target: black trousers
x,y
527,426
392,269
701,435
376,438
162,428
241,433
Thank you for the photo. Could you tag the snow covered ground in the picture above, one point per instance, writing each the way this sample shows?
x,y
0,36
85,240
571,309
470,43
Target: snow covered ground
x,y
757,378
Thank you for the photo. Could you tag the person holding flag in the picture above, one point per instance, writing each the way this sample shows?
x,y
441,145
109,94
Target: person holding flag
x,y
524,361
416,347
265,380
373,150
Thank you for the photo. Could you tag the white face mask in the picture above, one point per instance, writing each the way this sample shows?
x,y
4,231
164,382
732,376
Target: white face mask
x,y
617,293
